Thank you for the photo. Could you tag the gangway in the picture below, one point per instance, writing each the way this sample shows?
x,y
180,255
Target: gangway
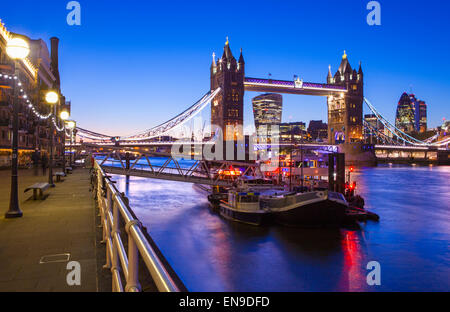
x,y
203,171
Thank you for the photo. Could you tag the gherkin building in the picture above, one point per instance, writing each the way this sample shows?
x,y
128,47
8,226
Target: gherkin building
x,y
405,118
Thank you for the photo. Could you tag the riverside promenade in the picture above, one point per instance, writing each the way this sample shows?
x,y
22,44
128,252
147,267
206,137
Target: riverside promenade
x,y
64,223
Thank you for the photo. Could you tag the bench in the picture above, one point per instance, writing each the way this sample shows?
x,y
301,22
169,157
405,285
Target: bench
x,y
59,175
69,169
41,187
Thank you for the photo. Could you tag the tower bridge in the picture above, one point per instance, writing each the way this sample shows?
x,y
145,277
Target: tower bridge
x,y
344,92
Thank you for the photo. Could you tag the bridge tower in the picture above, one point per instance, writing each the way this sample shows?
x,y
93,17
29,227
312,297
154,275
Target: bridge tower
x,y
227,108
345,112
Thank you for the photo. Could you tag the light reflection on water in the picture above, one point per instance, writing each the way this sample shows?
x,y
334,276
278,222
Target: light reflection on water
x,y
211,254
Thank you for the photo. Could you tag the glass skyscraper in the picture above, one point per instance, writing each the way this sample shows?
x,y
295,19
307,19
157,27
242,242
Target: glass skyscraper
x,y
267,110
411,114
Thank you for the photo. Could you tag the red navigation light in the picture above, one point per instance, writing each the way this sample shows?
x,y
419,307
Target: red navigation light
x,y
352,169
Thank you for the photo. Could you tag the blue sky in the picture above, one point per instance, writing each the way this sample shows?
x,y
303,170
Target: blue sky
x,y
134,64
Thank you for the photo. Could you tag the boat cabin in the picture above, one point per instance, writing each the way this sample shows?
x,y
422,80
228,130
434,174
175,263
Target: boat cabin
x,y
246,201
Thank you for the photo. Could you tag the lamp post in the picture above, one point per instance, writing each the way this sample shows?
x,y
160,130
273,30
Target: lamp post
x,y
51,98
17,49
64,115
302,160
71,125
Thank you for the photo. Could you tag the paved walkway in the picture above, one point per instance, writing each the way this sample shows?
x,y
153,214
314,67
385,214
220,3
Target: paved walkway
x,y
63,223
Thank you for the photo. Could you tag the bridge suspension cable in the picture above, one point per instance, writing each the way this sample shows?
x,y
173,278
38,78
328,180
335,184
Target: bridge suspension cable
x,y
398,134
175,122
87,134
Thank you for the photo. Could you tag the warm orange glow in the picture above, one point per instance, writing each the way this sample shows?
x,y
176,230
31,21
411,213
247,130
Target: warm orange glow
x,y
230,172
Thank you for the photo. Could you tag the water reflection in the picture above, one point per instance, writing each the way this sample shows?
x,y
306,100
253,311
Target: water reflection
x,y
353,277
212,254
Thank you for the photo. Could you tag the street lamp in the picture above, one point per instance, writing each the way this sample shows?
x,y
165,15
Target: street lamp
x,y
51,98
64,115
17,49
71,125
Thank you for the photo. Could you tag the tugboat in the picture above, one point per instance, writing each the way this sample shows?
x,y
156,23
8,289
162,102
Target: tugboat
x,y
244,207
217,195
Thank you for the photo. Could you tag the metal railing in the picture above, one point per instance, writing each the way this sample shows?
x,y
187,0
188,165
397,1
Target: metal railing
x,y
113,210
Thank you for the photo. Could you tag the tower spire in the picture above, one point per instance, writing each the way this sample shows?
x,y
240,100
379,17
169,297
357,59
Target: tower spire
x,y
241,58
227,51
345,67
329,72
214,59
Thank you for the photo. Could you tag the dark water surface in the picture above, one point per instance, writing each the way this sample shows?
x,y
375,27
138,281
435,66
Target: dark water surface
x,y
211,254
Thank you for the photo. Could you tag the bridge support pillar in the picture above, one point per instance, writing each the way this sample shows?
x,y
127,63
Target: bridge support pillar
x,y
443,158
358,154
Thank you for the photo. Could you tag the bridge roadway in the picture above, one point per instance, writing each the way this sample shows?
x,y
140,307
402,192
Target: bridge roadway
x,y
412,154
292,87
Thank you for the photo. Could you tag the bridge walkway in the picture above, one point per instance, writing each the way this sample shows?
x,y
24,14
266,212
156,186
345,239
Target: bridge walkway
x,y
166,176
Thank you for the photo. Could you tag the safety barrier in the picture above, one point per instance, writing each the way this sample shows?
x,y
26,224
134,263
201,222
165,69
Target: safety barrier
x,y
113,210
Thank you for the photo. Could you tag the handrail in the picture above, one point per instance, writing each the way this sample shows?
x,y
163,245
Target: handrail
x,y
112,211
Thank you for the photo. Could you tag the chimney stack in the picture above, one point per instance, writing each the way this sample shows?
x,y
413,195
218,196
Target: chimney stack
x,y
54,60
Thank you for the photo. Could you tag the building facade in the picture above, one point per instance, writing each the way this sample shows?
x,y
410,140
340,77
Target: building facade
x,y
267,111
345,112
38,73
292,132
374,126
423,117
318,131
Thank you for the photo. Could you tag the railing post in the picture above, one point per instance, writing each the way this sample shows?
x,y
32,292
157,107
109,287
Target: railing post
x,y
100,203
133,260
115,230
106,229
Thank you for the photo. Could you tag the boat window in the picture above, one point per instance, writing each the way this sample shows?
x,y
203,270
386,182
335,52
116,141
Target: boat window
x,y
248,198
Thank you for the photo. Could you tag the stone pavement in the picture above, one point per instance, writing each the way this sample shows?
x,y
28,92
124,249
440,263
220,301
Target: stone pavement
x,y
63,223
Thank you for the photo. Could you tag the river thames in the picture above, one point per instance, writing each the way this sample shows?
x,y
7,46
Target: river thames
x,y
411,242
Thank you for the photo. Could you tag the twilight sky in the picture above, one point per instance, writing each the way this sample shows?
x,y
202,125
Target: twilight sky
x,y
134,64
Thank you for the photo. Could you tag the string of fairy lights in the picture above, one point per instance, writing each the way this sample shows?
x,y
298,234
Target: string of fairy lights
x,y
31,106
